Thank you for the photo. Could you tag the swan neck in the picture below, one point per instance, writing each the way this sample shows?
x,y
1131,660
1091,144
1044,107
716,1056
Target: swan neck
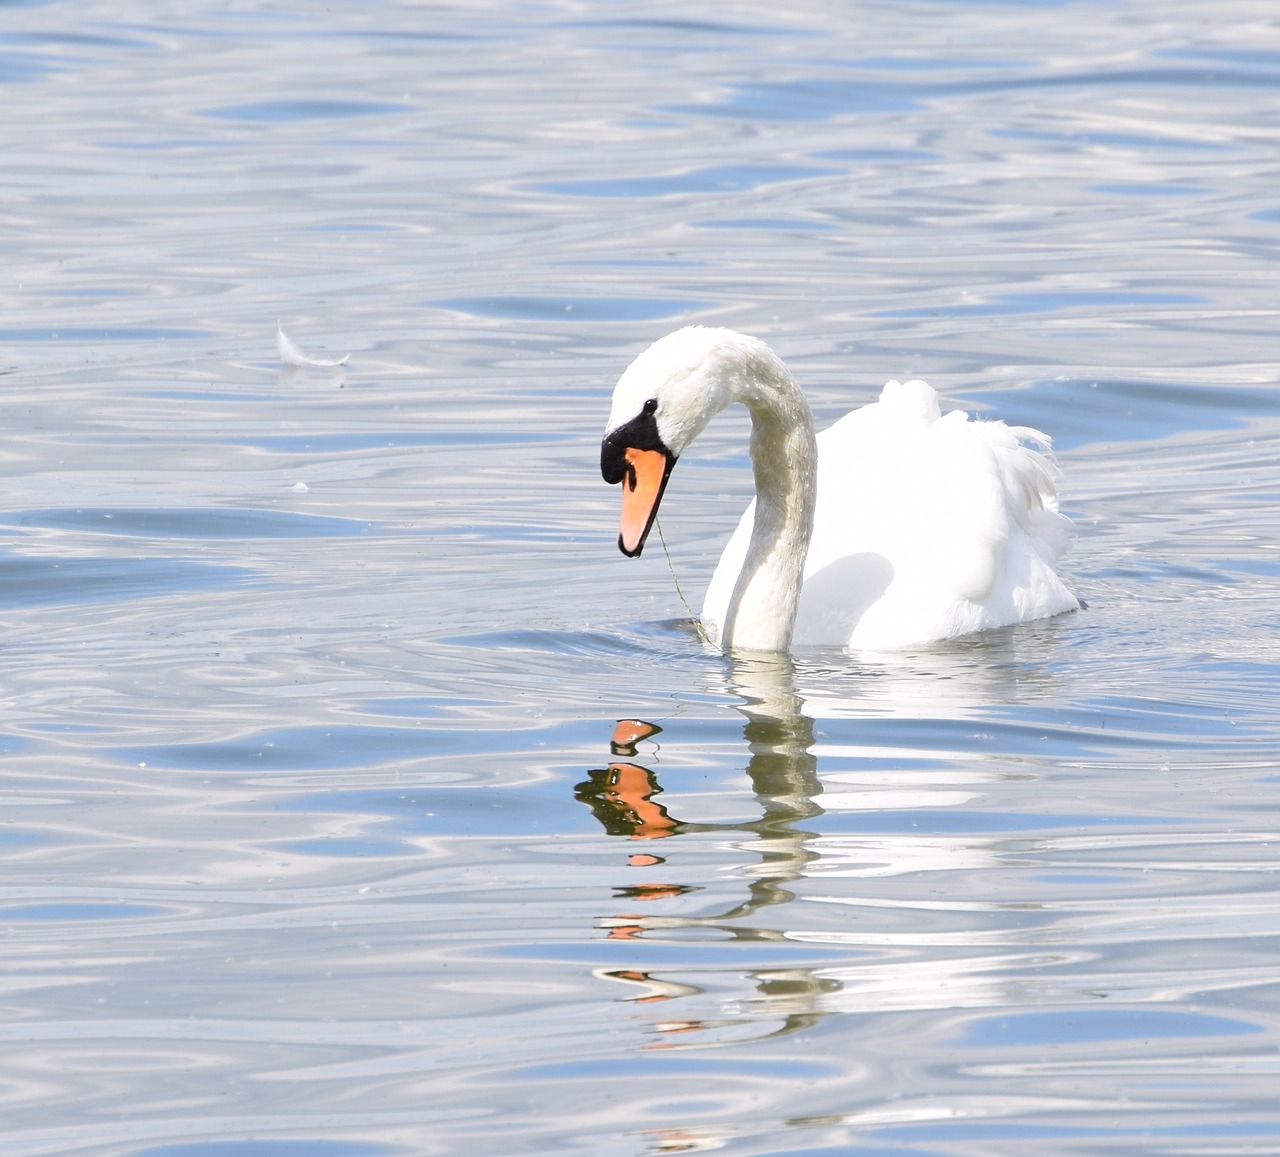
x,y
784,457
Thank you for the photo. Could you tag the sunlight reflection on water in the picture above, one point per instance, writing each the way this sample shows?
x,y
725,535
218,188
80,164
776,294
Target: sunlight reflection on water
x,y
319,830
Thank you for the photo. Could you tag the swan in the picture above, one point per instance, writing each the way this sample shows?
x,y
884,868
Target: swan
x,y
896,526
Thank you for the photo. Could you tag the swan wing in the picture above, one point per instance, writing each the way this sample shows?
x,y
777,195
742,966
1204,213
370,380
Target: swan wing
x,y
926,527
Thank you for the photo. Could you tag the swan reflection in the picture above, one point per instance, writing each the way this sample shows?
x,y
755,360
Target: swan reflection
x,y
861,942
782,770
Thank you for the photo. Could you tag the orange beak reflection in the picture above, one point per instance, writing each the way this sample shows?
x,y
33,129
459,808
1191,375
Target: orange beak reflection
x,y
646,479
621,797
628,733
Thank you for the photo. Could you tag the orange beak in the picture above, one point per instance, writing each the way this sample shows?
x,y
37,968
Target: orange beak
x,y
646,479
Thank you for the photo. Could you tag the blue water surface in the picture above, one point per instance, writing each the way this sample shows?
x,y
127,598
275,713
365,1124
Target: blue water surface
x,y
319,834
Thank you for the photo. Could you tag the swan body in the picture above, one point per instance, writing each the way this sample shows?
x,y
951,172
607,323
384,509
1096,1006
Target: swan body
x,y
896,526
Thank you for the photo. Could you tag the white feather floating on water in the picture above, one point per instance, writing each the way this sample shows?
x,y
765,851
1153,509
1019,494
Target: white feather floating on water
x,y
291,355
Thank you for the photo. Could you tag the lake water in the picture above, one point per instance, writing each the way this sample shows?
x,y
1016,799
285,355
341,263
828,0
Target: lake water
x,y
316,837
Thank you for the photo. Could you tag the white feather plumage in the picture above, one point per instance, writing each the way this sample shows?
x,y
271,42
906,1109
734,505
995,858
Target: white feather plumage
x,y
925,526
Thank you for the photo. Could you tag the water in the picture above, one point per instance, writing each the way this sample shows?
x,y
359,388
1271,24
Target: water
x,y
314,840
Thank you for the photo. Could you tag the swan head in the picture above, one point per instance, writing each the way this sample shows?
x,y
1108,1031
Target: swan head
x,y
662,402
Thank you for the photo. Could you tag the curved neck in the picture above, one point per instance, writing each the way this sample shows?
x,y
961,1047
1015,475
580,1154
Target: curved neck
x,y
784,457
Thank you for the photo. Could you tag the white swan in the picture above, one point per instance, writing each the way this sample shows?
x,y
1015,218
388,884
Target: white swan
x,y
895,526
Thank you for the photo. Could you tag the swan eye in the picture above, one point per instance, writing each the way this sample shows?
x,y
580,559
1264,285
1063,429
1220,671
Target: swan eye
x,y
650,406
